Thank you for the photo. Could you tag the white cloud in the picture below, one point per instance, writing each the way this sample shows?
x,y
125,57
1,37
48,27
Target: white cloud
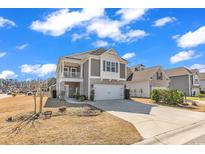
x,y
192,38
164,21
200,67
135,34
76,36
7,74
21,47
95,21
128,15
58,22
128,55
112,30
100,43
174,37
184,55
28,79
39,70
105,28
2,54
6,23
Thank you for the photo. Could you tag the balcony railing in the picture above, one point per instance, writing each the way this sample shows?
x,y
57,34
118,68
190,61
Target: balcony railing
x,y
71,75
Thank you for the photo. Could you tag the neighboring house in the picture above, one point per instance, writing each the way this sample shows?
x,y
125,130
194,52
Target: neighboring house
x,y
202,82
195,82
183,79
103,71
143,80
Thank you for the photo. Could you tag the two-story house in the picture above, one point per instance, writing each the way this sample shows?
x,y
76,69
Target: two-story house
x,y
202,82
143,80
102,71
195,82
184,79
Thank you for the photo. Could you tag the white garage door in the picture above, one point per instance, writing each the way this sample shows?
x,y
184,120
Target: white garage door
x,y
107,92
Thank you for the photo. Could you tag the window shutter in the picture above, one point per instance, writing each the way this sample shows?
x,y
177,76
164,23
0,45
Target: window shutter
x,y
103,65
117,67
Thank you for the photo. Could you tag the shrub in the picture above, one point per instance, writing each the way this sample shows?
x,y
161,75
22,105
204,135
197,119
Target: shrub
x,y
200,95
171,97
176,97
92,95
155,95
13,94
62,109
82,98
77,96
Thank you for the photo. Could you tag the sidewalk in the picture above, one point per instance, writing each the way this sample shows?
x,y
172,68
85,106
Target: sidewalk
x,y
178,136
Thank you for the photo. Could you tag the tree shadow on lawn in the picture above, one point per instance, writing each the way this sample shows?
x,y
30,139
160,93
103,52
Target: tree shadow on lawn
x,y
55,103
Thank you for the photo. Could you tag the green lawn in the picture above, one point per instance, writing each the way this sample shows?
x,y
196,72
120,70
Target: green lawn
x,y
196,98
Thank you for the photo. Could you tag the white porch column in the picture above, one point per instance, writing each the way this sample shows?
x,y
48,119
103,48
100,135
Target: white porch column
x,y
81,70
62,73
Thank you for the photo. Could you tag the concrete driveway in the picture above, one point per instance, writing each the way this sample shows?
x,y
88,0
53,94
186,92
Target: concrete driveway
x,y
150,120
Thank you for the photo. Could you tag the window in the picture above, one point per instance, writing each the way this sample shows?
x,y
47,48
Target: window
x,y
113,68
73,72
110,66
159,76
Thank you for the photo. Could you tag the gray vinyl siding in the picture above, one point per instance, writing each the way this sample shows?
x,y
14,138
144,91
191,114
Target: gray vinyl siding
x,y
95,67
122,70
180,83
85,78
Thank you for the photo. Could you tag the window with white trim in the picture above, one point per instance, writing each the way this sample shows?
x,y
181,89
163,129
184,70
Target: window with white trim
x,y
110,66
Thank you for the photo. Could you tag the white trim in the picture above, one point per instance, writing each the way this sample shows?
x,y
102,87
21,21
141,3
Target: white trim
x,y
62,69
74,68
95,77
81,70
89,72
72,60
149,88
71,79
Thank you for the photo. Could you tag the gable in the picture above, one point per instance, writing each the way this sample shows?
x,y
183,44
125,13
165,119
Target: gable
x,y
112,54
164,76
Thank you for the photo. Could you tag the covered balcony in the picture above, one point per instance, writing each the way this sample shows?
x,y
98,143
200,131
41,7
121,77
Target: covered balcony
x,y
71,71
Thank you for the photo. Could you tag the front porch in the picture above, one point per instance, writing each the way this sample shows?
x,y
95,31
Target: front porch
x,y
70,89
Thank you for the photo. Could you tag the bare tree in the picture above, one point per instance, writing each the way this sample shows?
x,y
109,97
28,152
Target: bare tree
x,y
34,96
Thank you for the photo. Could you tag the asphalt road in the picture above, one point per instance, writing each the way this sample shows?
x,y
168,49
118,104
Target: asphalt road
x,y
198,141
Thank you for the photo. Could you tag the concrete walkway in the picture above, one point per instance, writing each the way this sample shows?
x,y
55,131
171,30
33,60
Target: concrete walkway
x,y
151,120
4,96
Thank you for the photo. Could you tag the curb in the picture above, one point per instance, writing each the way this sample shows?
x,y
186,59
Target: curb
x,y
178,136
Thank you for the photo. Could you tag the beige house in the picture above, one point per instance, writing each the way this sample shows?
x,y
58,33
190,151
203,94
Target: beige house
x,y
195,82
185,80
102,71
202,82
143,80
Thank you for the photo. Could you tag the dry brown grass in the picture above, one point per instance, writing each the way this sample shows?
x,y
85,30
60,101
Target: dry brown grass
x,y
102,129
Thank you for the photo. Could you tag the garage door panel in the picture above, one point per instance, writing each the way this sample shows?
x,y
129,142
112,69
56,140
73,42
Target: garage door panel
x,y
108,92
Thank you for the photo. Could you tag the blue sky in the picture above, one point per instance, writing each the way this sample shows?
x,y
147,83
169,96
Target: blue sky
x,y
32,40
